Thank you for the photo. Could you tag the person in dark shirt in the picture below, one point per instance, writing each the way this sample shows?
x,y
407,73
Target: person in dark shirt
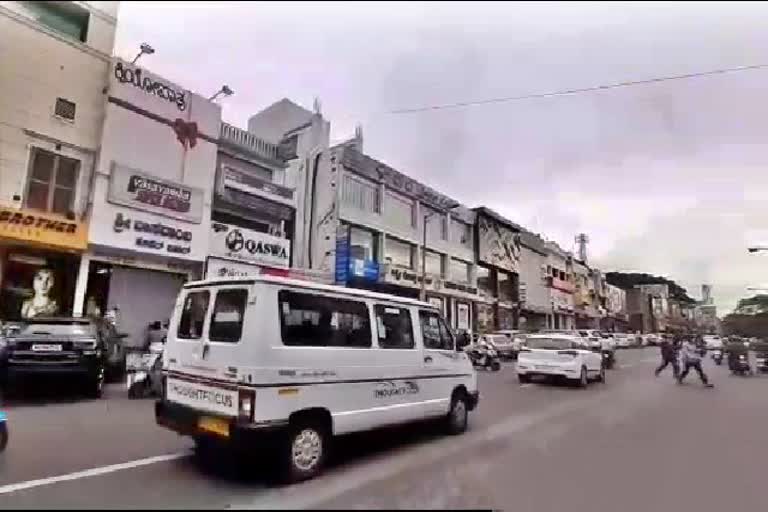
x,y
668,355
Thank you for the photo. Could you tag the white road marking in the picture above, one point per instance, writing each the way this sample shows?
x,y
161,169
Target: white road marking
x,y
526,385
29,484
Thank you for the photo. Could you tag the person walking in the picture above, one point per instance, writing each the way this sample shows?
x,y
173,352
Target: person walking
x,y
668,356
692,354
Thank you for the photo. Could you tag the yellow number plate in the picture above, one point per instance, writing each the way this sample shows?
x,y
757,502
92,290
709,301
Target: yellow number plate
x,y
214,425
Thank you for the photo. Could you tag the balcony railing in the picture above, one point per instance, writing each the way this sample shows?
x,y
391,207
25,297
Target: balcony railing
x,y
249,141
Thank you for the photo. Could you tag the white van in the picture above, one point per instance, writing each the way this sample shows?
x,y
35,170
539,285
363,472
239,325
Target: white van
x,y
300,362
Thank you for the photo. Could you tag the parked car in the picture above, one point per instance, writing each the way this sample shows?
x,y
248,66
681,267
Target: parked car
x,y
651,340
71,348
623,339
592,336
503,345
559,356
713,342
517,338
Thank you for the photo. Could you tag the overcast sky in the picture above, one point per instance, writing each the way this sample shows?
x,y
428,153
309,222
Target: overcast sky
x,y
668,178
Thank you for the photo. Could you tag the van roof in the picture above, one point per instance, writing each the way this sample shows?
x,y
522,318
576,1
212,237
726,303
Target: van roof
x,y
356,292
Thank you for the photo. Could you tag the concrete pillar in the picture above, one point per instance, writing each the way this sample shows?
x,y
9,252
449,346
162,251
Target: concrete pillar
x,y
81,286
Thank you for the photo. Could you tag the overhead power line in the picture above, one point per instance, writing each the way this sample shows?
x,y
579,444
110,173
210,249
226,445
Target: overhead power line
x,y
575,91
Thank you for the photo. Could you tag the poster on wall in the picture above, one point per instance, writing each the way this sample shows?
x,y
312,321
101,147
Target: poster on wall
x,y
498,245
137,189
37,286
438,303
462,316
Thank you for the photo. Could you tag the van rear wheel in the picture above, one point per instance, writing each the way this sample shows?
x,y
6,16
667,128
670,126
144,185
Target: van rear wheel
x,y
458,416
303,451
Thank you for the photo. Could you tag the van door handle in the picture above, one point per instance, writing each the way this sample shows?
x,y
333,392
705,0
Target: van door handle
x,y
428,359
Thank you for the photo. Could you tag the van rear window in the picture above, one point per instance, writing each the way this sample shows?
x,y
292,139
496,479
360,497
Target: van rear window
x,y
193,315
310,320
227,318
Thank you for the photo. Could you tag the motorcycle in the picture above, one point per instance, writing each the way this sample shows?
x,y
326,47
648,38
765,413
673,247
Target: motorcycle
x,y
3,431
484,357
717,357
144,368
739,364
609,359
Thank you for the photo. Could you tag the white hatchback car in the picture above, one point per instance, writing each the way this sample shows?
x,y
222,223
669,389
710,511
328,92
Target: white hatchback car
x,y
559,355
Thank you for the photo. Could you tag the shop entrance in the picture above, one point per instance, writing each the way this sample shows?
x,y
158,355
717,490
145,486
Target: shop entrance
x,y
141,297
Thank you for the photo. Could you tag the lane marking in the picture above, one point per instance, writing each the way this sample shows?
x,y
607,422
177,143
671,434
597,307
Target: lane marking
x,y
526,385
103,470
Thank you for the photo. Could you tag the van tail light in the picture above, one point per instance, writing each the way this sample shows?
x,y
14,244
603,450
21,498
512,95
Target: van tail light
x,y
568,353
246,403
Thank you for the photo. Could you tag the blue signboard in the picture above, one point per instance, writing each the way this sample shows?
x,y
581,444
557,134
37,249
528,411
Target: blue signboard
x,y
342,256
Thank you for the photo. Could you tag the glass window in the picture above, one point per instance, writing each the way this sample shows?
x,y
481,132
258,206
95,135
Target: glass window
x,y
434,332
433,263
485,282
399,253
52,182
360,193
394,327
227,318
67,19
506,287
193,315
362,244
459,271
316,321
399,210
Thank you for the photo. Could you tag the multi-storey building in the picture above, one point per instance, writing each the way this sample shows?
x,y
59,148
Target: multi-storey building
x,y
616,318
561,288
53,78
535,303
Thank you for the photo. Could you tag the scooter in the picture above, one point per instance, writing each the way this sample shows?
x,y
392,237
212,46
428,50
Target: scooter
x,y
144,372
739,364
484,357
717,357
3,431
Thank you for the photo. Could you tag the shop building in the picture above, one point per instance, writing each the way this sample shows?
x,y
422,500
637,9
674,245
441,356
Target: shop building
x,y
253,213
151,202
535,304
498,251
51,115
616,318
587,301
561,287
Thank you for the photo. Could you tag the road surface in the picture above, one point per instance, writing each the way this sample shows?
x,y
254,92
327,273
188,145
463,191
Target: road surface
x,y
636,443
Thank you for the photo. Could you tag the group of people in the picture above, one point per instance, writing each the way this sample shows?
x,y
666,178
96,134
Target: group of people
x,y
688,350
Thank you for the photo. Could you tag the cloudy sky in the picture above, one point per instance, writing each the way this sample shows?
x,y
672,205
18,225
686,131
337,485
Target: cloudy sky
x,y
668,178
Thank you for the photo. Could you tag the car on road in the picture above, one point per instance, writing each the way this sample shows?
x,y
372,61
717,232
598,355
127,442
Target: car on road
x,y
623,339
277,367
502,344
517,337
592,336
713,342
560,356
67,347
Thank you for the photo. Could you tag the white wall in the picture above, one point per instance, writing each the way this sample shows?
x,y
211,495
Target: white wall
x,y
136,141
531,273
38,66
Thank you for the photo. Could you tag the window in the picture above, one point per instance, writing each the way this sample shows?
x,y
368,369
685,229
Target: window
x,y
227,318
461,233
309,320
433,263
562,275
437,224
63,17
506,287
362,244
434,332
399,210
485,283
399,253
193,315
394,327
360,193
65,109
459,271
52,182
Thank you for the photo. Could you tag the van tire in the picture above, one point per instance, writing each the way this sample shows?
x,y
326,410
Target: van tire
x,y
458,416
303,450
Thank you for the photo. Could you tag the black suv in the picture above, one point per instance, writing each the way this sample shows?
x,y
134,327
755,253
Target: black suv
x,y
66,347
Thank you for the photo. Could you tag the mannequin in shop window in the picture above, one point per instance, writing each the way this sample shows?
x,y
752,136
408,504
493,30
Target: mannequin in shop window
x,y
41,304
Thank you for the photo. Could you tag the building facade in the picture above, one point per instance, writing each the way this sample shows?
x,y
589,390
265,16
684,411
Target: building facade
x,y
253,212
52,77
561,288
616,318
150,213
535,304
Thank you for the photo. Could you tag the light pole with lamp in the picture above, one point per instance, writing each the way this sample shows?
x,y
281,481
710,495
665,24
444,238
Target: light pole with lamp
x,y
144,49
423,291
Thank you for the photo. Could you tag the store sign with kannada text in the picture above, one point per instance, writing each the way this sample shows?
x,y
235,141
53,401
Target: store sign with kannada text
x,y
43,229
153,237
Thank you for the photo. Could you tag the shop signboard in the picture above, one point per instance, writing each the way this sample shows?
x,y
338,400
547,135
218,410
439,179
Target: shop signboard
x,y
140,233
217,267
43,229
237,243
342,255
137,189
462,316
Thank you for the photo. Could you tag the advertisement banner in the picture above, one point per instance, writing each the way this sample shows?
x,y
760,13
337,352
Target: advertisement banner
x,y
236,243
43,229
130,187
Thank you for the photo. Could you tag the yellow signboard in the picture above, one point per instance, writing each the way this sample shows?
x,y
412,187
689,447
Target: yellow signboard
x,y
43,229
